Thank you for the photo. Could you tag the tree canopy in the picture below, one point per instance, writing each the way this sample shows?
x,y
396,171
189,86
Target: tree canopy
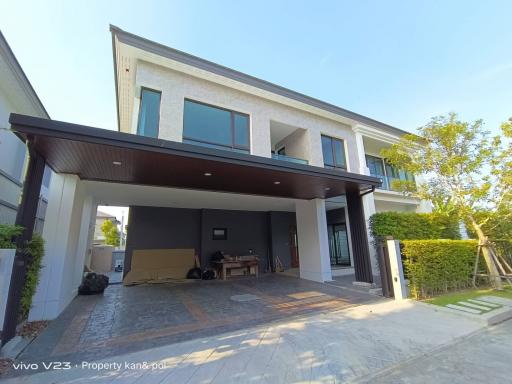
x,y
464,170
110,232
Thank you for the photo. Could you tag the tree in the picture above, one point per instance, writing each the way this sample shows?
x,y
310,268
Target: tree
x,y
464,171
110,232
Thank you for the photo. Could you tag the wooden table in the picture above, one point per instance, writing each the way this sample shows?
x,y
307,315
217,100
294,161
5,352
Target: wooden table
x,y
224,267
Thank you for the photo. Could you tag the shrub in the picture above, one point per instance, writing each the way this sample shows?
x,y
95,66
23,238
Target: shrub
x,y
414,226
7,233
438,266
35,253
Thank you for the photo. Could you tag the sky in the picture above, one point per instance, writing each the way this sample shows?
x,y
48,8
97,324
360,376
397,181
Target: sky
x,y
399,62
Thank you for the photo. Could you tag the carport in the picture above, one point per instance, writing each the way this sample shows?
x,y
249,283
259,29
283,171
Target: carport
x,y
80,154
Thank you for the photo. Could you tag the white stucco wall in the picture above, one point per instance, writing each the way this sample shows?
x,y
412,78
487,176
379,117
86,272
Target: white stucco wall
x,y
297,144
176,86
65,233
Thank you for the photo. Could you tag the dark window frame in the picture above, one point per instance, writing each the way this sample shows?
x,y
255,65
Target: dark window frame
x,y
232,122
142,89
333,139
224,236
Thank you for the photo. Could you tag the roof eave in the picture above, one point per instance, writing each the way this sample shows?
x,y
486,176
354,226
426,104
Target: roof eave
x,y
18,72
185,58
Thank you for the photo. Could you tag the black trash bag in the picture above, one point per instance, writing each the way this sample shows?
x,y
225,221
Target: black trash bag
x,y
93,284
217,256
194,273
208,275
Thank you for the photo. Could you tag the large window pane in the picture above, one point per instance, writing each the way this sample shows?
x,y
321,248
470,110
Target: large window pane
x,y
205,123
334,152
241,130
392,171
339,153
149,114
327,151
375,165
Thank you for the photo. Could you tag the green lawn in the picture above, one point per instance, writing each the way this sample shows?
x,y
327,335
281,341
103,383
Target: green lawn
x,y
453,298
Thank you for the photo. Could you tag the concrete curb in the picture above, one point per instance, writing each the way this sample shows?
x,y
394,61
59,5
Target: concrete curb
x,y
15,346
493,317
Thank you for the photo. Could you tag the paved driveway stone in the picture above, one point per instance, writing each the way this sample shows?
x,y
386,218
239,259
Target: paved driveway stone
x,y
329,347
127,319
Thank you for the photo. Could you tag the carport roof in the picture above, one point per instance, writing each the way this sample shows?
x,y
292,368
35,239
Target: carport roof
x,y
111,156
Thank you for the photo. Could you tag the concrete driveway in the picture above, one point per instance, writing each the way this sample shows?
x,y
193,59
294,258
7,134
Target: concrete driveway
x,y
329,347
481,358
129,319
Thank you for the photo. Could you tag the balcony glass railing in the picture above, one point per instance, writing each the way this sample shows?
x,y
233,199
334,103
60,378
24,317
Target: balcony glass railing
x,y
289,158
388,182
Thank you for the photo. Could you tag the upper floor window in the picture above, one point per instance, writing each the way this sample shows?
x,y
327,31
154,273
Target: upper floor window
x,y
149,113
334,153
388,173
215,127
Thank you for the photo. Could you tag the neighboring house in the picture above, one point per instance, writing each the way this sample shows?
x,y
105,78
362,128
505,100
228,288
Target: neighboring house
x,y
18,96
213,159
101,217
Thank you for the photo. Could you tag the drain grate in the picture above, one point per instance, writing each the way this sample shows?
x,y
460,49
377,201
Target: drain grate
x,y
246,297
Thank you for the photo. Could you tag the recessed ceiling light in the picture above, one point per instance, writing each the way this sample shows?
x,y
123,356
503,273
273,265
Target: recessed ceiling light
x,y
207,174
327,189
116,163
277,182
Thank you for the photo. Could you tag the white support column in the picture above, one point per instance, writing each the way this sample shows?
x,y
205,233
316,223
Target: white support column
x,y
368,200
62,234
83,246
369,210
314,257
361,153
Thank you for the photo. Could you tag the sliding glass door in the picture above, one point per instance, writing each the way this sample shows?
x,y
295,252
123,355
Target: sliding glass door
x,y
338,244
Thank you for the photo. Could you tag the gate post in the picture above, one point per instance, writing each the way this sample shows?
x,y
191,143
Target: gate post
x,y
384,267
397,271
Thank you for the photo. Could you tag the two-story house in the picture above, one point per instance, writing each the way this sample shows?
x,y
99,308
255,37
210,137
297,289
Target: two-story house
x,y
202,149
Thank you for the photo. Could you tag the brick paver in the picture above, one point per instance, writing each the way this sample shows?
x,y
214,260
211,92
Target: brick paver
x,y
127,319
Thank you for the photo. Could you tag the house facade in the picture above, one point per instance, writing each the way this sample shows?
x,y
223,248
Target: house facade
x,y
167,94
203,150
16,95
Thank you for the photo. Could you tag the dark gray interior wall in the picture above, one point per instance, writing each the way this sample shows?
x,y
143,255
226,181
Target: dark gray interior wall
x,y
245,229
281,222
156,228
336,216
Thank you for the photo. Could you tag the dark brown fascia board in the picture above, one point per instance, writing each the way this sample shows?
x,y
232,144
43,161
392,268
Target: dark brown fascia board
x,y
25,126
185,58
20,74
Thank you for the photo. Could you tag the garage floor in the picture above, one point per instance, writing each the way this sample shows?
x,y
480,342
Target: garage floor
x,y
127,319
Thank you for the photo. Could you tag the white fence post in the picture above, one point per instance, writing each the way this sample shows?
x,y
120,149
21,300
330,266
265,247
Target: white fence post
x,y
397,271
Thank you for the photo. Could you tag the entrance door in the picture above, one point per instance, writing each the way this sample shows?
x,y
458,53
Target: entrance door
x,y
338,244
294,248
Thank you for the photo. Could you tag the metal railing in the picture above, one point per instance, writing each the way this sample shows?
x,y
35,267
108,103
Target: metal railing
x,y
289,158
388,182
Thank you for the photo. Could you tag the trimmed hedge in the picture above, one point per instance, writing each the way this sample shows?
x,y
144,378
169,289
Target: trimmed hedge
x,y
438,266
414,226
34,264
